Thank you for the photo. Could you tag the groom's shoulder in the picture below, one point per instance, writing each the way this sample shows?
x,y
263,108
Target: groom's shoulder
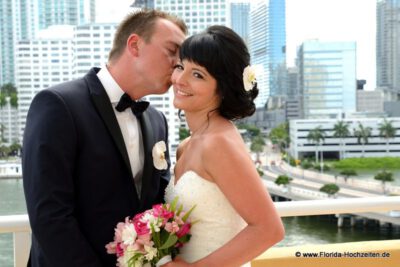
x,y
155,113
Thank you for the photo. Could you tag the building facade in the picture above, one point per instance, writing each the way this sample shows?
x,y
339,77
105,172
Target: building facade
x,y
327,78
24,18
267,45
388,48
239,22
9,127
377,146
197,14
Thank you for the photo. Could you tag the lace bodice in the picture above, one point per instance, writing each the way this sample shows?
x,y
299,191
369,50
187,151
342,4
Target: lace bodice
x,y
218,222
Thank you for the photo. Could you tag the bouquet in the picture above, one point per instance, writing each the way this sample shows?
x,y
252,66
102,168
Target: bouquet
x,y
151,238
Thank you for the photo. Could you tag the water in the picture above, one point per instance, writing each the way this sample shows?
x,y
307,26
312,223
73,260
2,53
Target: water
x,y
299,230
12,202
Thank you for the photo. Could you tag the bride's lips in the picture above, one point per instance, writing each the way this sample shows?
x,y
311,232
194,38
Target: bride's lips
x,y
182,93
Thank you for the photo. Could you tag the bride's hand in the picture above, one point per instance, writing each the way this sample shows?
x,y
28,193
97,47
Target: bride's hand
x,y
177,262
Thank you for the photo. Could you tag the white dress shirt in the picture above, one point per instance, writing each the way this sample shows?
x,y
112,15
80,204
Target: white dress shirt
x,y
129,125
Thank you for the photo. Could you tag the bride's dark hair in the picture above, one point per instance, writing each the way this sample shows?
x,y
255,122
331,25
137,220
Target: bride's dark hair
x,y
224,54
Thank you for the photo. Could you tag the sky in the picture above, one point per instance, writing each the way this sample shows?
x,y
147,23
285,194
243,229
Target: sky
x,y
326,20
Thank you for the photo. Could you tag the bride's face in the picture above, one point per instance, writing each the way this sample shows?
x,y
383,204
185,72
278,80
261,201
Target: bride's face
x,y
194,88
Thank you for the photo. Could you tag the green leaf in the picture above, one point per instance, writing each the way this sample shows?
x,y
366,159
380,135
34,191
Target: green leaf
x,y
179,210
155,235
172,239
173,204
184,218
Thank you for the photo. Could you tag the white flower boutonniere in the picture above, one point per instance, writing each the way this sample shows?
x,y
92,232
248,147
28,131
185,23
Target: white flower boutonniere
x,y
249,78
159,161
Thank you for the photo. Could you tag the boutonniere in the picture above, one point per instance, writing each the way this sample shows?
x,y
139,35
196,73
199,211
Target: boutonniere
x,y
159,161
249,78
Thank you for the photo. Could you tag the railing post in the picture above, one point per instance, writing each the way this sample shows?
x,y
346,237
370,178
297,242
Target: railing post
x,y
22,244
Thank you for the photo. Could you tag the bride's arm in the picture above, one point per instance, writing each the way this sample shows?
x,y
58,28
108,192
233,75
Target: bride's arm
x,y
228,163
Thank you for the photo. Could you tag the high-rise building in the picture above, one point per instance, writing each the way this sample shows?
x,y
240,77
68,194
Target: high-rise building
x,y
21,20
65,12
143,3
197,14
327,78
388,48
267,44
8,122
239,22
59,54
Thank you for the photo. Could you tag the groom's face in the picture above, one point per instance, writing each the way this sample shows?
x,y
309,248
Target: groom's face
x,y
159,55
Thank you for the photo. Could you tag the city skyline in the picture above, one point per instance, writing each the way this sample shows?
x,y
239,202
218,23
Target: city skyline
x,y
338,20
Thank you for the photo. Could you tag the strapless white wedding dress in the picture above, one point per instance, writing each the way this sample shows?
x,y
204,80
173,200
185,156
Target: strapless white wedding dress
x,y
218,222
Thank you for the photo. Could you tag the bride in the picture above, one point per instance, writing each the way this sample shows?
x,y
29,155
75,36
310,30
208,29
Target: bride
x,y
214,85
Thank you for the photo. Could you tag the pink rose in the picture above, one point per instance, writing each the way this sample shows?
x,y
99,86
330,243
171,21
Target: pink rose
x,y
141,228
161,212
184,230
171,227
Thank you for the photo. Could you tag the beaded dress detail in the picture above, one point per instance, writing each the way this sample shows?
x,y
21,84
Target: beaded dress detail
x,y
218,222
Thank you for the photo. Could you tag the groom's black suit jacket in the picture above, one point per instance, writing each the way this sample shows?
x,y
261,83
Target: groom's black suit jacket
x,y
77,176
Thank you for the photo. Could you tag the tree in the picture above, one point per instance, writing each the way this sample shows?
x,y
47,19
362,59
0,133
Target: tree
x,y
317,136
280,135
347,173
8,90
362,133
257,145
330,189
387,131
341,130
283,180
15,148
384,176
2,129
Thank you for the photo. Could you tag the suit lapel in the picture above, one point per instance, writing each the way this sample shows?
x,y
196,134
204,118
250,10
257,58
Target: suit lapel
x,y
148,142
105,109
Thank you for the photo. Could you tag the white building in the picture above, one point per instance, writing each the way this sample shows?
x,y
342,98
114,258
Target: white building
x,y
197,14
376,146
41,63
9,131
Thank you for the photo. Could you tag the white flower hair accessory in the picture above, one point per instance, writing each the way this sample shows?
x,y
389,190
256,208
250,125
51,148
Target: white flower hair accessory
x,y
249,78
159,161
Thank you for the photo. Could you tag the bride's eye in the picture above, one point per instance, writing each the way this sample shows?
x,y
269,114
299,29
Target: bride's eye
x,y
198,75
178,66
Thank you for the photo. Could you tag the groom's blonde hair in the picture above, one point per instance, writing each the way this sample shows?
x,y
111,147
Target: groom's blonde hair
x,y
143,24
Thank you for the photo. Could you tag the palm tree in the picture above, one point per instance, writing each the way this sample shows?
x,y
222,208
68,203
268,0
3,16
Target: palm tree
x,y
362,133
387,131
317,136
341,130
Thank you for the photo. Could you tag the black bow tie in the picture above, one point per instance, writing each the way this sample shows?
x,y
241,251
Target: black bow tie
x,y
137,106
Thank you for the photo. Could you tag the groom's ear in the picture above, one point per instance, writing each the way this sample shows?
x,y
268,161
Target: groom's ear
x,y
132,44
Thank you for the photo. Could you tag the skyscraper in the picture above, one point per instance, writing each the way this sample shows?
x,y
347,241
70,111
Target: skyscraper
x,y
327,78
197,14
239,22
21,20
65,12
267,44
388,48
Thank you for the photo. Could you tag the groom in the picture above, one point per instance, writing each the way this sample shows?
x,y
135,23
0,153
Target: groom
x,y
87,154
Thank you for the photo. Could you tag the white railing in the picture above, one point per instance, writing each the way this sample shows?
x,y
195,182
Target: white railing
x,y
19,224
